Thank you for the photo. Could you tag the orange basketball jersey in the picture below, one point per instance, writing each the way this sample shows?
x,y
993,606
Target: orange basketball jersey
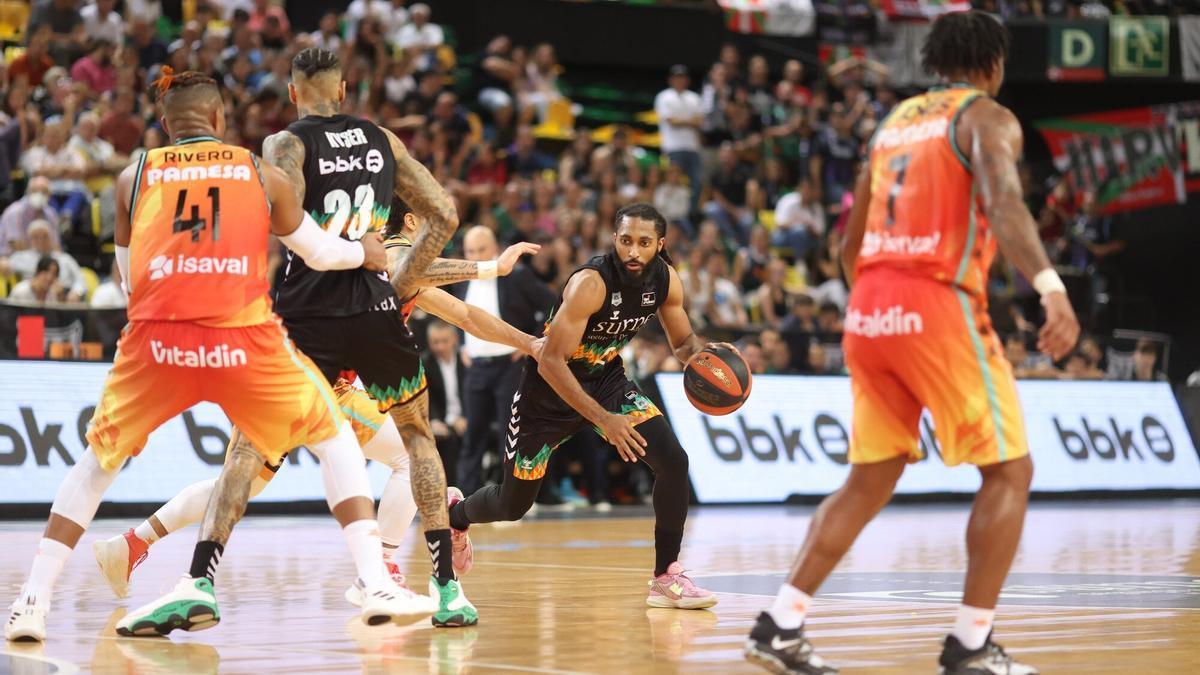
x,y
200,225
924,216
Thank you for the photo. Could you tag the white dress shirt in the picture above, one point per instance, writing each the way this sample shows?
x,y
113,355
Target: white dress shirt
x,y
678,104
484,294
449,371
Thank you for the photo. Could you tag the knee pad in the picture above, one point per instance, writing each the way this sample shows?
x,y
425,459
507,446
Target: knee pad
x,y
342,468
82,489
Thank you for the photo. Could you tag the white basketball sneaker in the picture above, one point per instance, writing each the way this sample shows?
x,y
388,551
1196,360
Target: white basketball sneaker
x,y
354,593
390,603
27,622
117,557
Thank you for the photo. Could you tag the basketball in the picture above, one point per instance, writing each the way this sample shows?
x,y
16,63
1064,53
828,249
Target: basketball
x,y
717,381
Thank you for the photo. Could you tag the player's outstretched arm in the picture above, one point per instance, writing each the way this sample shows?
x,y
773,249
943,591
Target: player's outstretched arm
x,y
675,322
447,271
285,151
435,207
320,249
856,224
583,296
473,320
994,137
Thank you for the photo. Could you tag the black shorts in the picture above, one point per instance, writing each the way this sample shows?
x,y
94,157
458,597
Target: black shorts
x,y
375,344
541,421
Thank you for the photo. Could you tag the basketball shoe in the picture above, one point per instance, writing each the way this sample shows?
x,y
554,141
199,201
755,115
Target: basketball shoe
x,y
990,658
453,607
191,606
783,650
460,541
354,593
117,557
27,620
675,589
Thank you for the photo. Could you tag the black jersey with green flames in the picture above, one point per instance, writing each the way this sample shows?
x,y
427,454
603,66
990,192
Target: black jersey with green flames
x,y
349,174
625,311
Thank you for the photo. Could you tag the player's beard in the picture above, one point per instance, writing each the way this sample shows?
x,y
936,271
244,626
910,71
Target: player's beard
x,y
638,278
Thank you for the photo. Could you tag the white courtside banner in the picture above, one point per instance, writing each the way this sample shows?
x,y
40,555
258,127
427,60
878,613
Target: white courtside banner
x,y
44,411
792,436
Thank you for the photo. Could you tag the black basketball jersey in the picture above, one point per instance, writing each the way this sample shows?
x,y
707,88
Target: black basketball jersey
x,y
349,178
625,311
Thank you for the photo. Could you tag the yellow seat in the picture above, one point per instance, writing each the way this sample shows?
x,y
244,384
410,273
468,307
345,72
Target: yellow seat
x,y
560,121
648,117
92,280
766,218
14,14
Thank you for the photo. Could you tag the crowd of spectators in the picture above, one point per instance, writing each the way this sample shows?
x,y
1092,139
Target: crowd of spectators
x,y
754,168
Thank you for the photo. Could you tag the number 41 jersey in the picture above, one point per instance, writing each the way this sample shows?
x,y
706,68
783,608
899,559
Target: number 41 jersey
x,y
198,247
349,178
925,217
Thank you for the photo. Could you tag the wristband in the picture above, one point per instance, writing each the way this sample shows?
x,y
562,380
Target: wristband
x,y
488,269
1047,281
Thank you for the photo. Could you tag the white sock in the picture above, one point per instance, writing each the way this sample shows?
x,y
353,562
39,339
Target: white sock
x,y
47,565
146,532
388,554
790,607
362,537
973,625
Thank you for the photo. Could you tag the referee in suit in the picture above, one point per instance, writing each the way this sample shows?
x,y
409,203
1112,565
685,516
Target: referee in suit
x,y
520,299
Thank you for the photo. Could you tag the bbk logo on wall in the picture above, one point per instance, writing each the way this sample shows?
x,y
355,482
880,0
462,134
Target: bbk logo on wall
x,y
793,438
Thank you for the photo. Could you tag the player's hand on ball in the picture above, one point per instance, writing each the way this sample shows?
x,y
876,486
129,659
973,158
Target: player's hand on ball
x,y
374,255
723,345
508,259
619,431
1061,330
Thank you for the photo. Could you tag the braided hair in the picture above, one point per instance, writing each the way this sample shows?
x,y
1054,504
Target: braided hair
x,y
314,60
189,81
964,42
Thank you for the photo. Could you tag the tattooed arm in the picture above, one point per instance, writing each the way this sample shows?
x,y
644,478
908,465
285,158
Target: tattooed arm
x,y
286,151
229,496
432,204
446,271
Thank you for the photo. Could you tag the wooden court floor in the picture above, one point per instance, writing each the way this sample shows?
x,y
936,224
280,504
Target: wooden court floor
x,y
1108,587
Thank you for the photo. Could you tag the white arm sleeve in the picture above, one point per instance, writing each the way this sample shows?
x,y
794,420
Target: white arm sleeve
x,y
123,267
322,250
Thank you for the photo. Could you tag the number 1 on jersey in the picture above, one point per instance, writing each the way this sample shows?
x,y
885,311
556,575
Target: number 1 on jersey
x,y
337,203
194,223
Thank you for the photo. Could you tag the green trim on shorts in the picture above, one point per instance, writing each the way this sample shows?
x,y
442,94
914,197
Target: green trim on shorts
x,y
350,412
321,384
988,383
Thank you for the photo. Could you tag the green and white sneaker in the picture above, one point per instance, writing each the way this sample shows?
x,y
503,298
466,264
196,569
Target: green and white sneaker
x,y
454,609
192,606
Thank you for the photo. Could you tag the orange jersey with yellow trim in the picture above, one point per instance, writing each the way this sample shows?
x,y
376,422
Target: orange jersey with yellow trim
x,y
198,247
924,217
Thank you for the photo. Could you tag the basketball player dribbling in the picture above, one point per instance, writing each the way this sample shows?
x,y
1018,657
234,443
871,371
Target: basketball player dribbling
x,y
580,379
201,328
938,194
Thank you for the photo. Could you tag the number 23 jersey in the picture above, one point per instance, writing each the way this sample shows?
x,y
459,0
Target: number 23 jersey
x,y
349,178
925,216
199,221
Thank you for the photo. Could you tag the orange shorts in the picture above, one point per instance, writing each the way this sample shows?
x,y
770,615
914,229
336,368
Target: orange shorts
x,y
269,390
914,343
358,407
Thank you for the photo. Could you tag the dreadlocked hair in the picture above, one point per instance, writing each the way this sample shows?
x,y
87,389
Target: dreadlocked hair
x,y
314,60
168,81
964,42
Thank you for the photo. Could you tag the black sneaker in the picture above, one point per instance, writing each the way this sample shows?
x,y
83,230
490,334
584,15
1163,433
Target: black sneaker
x,y
989,659
783,651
